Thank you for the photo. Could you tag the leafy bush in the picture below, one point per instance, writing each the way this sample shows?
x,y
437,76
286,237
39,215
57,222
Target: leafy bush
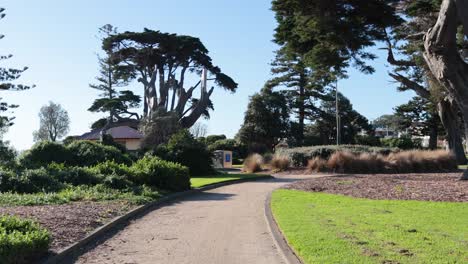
x,y
401,162
162,174
117,176
7,155
367,140
29,181
300,156
401,143
280,163
183,148
135,195
44,153
74,175
87,153
253,163
108,140
22,241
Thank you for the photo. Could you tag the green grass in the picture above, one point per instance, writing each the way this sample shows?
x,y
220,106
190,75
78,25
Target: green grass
x,y
202,181
326,228
140,195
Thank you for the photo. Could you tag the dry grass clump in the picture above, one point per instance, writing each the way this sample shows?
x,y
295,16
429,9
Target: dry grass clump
x,y
422,161
253,163
416,161
317,165
279,163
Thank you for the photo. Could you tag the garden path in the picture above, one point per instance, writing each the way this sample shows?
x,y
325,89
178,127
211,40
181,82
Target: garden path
x,y
226,225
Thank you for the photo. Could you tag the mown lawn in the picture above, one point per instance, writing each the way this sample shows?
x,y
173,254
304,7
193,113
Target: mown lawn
x,y
202,181
327,228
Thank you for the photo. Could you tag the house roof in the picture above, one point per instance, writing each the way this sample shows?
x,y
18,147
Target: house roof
x,y
120,132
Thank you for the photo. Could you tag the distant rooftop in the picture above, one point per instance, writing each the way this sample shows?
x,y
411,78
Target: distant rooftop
x,y
120,132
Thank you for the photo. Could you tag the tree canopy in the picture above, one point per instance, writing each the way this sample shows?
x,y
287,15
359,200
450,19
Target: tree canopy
x,y
160,62
333,34
54,123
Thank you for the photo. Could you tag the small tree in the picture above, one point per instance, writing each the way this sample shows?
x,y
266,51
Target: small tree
x,y
266,121
54,123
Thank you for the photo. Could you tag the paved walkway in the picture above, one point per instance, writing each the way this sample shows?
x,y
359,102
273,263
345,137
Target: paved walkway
x,y
224,225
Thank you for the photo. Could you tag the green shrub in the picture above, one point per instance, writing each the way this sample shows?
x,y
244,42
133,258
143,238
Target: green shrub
x,y
162,174
22,241
87,153
367,140
117,176
183,148
44,153
74,175
300,156
7,155
405,143
29,181
108,140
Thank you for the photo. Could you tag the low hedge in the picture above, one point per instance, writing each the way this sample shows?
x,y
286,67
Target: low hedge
x,y
87,153
28,181
22,241
162,174
300,156
77,153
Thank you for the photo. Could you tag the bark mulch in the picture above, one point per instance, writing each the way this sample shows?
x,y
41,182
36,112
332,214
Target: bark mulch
x,y
68,223
424,187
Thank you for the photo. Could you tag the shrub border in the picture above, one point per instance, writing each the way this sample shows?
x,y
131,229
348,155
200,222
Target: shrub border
x,y
99,235
281,243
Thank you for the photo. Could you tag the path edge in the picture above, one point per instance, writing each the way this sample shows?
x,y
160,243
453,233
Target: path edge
x,y
281,243
78,247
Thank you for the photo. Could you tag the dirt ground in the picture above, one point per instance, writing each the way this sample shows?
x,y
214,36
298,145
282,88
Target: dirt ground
x,y
69,223
425,187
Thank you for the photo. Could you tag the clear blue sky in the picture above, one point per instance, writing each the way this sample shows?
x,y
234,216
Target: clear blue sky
x,y
57,40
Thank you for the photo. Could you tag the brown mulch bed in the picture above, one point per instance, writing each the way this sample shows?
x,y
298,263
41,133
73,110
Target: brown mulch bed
x,y
68,223
425,187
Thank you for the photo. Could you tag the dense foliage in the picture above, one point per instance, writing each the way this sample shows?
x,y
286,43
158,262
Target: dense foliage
x,y
22,241
183,148
77,153
266,121
162,174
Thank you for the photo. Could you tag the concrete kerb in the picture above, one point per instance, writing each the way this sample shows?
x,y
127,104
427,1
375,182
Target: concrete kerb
x,y
78,248
281,243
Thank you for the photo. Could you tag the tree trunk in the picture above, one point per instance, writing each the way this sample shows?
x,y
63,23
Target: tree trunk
x,y
448,115
442,55
433,138
300,137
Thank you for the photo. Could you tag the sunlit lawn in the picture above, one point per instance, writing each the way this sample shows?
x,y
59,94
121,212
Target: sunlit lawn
x,y
326,228
202,181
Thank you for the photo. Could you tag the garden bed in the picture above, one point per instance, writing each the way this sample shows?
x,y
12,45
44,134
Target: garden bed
x,y
426,187
68,223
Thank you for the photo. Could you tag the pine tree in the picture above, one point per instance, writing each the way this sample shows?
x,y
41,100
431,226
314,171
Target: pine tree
x,y
112,77
293,79
7,78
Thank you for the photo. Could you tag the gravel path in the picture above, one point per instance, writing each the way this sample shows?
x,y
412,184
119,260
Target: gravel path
x,y
225,225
